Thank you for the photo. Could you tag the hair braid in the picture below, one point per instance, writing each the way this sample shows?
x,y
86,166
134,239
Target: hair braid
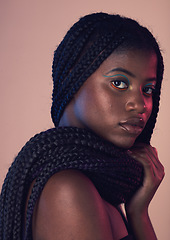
x,y
71,58
68,45
41,157
86,45
107,33
87,65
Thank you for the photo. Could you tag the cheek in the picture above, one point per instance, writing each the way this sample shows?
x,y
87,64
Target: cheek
x,y
93,105
85,105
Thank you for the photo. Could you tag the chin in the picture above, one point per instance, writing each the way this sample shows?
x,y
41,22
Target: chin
x,y
124,143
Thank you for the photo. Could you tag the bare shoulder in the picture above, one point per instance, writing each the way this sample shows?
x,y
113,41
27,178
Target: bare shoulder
x,y
70,208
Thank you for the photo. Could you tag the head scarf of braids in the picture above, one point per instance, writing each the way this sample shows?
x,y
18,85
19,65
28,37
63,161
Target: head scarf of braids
x,y
86,45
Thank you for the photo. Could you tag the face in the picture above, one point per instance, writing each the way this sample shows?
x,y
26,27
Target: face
x,y
115,102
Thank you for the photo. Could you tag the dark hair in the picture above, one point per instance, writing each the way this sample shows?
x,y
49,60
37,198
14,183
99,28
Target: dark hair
x,y
86,45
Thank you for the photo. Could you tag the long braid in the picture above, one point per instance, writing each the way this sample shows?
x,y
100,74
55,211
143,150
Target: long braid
x,y
107,32
50,152
70,156
83,32
86,45
66,48
82,73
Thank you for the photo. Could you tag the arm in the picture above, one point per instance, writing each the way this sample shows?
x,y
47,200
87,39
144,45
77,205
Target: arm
x,y
137,207
70,208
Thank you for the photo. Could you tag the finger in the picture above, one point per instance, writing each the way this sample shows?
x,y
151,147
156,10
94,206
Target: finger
x,y
151,152
152,167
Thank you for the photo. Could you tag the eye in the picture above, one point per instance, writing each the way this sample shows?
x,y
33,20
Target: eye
x,y
149,89
119,84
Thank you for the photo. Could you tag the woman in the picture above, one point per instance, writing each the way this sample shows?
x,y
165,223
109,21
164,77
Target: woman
x,y
68,182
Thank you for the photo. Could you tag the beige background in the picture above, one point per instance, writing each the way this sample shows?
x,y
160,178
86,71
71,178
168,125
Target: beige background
x,y
30,31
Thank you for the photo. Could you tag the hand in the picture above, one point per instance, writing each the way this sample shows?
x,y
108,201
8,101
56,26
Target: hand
x,y
153,175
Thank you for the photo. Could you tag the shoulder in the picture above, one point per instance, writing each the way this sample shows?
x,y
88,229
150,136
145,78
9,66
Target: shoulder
x,y
69,186
70,208
67,180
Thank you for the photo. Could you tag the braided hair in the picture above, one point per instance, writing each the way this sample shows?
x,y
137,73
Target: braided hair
x,y
85,46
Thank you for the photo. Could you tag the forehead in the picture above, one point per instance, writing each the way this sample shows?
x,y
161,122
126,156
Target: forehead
x,y
135,61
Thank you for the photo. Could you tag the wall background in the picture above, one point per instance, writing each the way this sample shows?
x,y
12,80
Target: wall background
x,y
30,31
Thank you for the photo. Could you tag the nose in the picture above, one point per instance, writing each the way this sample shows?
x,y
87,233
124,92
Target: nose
x,y
136,102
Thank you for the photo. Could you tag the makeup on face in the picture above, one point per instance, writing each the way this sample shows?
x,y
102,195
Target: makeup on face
x,y
122,83
116,83
115,102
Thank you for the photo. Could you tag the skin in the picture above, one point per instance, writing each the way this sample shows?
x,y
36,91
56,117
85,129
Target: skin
x,y
102,108
70,206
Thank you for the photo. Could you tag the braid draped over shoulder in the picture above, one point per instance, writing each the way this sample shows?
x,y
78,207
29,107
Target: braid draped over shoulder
x,y
115,175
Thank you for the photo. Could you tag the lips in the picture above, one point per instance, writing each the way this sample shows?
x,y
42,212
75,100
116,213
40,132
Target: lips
x,y
133,126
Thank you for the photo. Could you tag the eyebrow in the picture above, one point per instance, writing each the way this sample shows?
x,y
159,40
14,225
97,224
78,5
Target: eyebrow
x,y
129,73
